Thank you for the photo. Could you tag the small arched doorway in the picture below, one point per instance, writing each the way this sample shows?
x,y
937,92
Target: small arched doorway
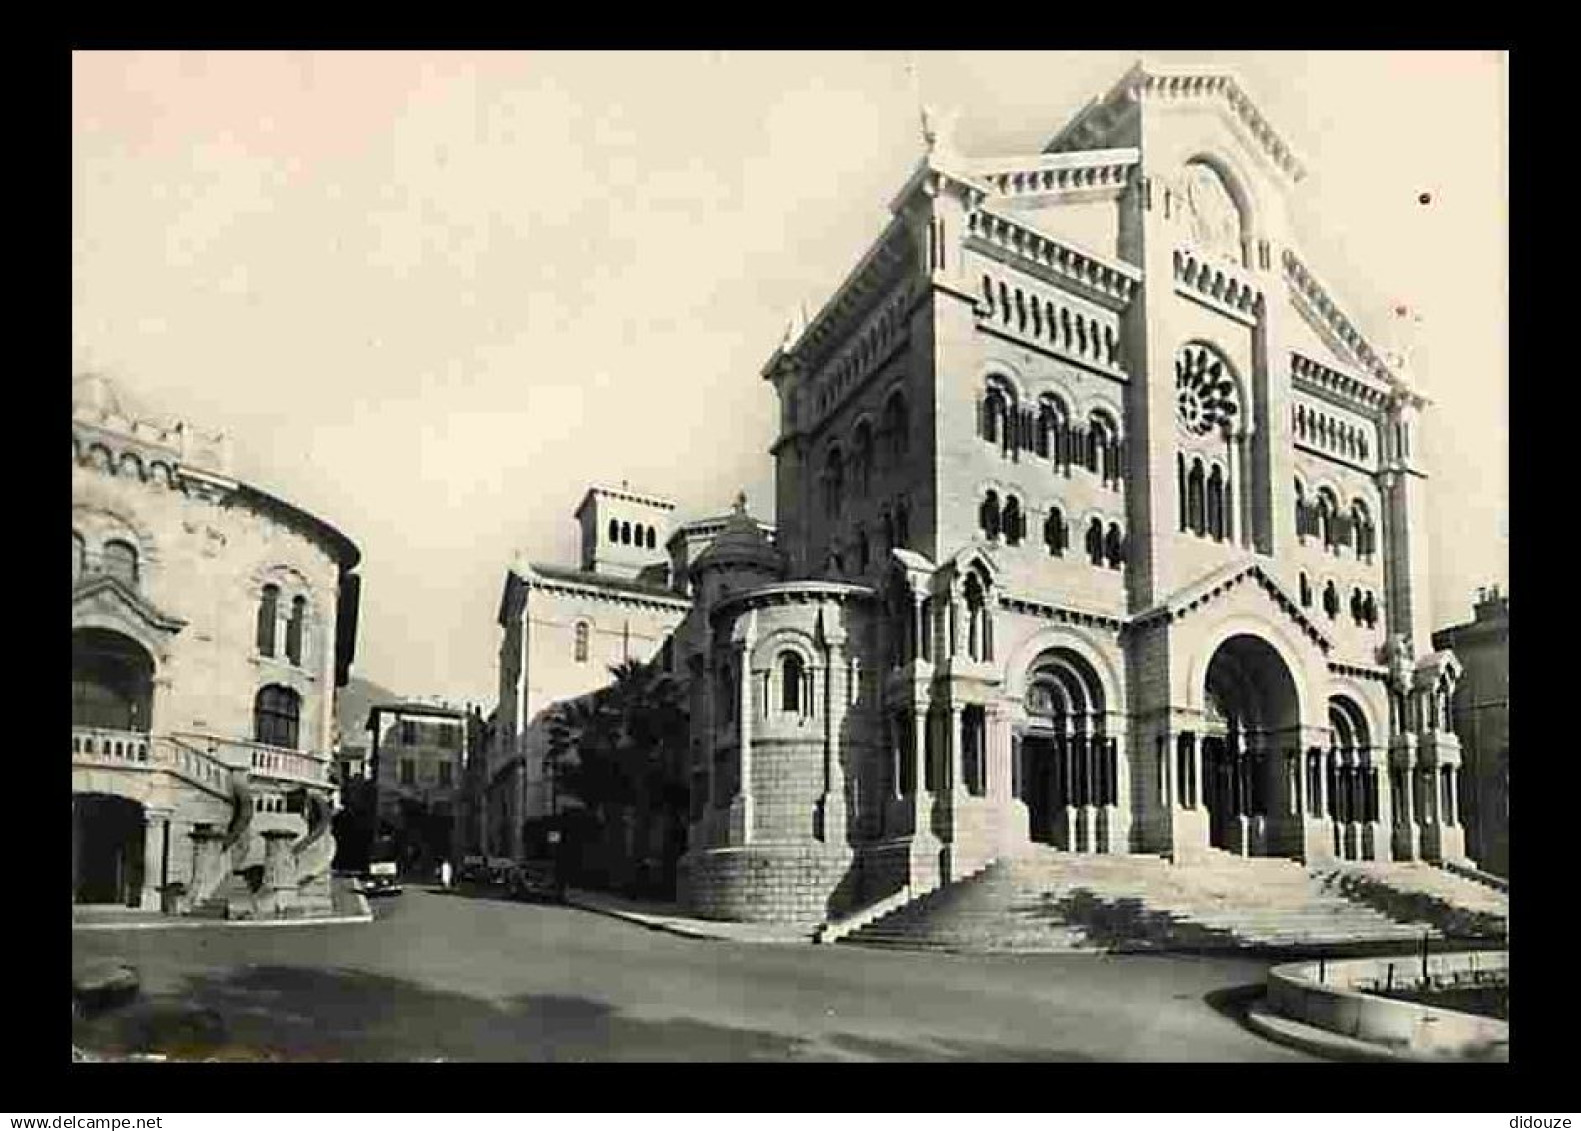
x,y
1067,765
106,850
112,681
1249,702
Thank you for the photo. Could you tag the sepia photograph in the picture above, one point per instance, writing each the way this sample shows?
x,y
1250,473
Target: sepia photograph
x,y
790,556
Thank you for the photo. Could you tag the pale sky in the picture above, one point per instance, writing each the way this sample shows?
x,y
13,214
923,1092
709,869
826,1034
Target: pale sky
x,y
433,296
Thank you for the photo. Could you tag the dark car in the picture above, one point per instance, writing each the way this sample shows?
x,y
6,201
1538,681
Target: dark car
x,y
382,878
536,880
473,870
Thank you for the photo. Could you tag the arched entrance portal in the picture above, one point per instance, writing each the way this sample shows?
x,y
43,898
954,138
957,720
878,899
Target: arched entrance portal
x,y
1249,702
112,681
106,850
1068,769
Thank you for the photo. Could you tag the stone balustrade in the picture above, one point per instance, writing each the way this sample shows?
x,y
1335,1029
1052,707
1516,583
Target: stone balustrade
x,y
261,759
1050,321
102,746
1106,279
1218,283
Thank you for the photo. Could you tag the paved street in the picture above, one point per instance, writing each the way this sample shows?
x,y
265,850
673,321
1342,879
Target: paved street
x,y
445,976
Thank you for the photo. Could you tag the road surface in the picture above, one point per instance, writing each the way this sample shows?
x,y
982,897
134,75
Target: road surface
x,y
442,976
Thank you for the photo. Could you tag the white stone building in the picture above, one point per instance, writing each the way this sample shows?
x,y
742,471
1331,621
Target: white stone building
x,y
1104,527
211,625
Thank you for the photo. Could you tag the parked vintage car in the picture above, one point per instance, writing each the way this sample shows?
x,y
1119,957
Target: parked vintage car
x,y
473,870
381,878
536,880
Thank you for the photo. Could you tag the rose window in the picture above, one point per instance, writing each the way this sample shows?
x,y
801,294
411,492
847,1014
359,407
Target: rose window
x,y
1204,391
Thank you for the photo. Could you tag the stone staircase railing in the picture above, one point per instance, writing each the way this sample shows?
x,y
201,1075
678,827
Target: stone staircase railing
x,y
1477,876
836,929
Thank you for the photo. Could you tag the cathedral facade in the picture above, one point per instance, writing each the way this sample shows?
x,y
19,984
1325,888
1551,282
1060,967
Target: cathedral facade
x,y
1100,525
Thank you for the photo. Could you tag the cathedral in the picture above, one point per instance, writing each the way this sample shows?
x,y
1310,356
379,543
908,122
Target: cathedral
x,y
1100,525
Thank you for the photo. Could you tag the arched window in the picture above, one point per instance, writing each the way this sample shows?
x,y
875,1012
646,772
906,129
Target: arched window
x,y
1370,610
1306,591
293,630
1114,547
1196,518
1331,600
1361,520
1095,541
276,714
1103,448
862,550
988,515
1327,513
1357,612
581,642
614,531
996,418
833,482
979,628
268,617
79,556
791,674
625,534
1054,533
902,524
120,560
653,538
1050,426
1303,519
862,459
1014,523
896,429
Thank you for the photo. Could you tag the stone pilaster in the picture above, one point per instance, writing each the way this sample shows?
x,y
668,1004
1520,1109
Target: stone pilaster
x,y
278,896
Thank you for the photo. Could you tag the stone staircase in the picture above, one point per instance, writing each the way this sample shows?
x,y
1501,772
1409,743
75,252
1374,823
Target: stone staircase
x,y
1457,906
1047,900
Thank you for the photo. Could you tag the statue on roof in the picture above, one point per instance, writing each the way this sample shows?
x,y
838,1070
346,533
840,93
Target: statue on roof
x,y
740,505
938,131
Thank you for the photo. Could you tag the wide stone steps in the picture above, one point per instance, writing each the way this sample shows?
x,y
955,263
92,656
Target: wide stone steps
x,y
1049,900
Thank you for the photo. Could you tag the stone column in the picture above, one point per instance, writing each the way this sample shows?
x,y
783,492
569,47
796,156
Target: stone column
x,y
155,823
208,864
740,818
1407,832
921,796
1124,807
834,805
278,896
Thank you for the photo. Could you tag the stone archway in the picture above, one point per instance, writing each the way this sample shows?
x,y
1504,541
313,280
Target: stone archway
x,y
112,681
107,856
1250,701
1068,771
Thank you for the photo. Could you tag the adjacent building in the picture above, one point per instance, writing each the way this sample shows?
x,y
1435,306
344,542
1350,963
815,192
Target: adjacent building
x,y
562,628
1481,712
418,758
211,625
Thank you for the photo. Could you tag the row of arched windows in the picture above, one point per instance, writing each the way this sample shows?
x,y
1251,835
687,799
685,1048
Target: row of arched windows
x,y
1363,602
269,621
117,559
1206,497
856,472
625,534
1322,517
1105,547
1048,431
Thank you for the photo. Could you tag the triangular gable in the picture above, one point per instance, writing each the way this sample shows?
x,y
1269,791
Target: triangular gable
x,y
115,598
1324,321
1220,582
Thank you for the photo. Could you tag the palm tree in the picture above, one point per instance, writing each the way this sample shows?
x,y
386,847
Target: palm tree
x,y
621,751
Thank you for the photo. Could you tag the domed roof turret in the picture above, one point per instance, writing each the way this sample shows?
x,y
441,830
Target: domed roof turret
x,y
742,542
